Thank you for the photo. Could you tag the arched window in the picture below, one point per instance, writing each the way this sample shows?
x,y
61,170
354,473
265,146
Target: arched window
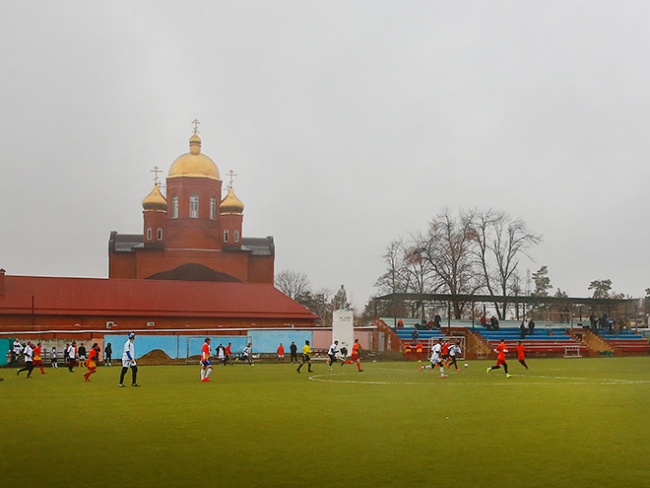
x,y
175,207
226,235
194,207
160,233
236,235
148,233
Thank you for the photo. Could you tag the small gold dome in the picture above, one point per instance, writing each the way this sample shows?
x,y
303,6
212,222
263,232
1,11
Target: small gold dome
x,y
194,164
231,204
155,200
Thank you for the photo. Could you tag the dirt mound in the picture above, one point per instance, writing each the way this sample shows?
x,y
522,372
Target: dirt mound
x,y
156,357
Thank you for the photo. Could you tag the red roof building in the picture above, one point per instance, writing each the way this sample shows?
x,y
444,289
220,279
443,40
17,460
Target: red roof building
x,y
35,303
192,268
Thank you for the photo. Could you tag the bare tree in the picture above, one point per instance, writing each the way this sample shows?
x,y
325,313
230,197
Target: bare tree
x,y
448,251
501,242
292,283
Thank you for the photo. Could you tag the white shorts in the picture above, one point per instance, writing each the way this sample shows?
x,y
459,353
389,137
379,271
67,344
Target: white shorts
x,y
127,363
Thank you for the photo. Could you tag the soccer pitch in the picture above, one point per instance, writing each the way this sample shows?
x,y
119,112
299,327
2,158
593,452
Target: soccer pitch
x,y
563,422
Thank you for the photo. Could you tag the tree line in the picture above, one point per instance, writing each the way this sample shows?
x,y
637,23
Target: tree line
x,y
468,252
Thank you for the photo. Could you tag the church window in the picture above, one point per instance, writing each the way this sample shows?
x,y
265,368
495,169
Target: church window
x,y
160,234
213,208
236,236
148,233
175,207
194,207
226,235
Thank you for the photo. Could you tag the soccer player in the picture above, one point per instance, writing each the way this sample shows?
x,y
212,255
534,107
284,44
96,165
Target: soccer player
x,y
81,354
521,354
454,350
355,357
206,364
53,358
331,353
228,352
38,360
280,353
436,359
501,351
128,361
306,353
28,352
221,354
91,363
248,353
72,356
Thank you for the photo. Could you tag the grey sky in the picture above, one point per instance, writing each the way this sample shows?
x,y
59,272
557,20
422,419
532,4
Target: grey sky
x,y
348,123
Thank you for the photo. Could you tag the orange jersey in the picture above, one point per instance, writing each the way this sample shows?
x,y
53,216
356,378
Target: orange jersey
x,y
281,351
37,353
92,359
501,351
445,349
205,351
521,351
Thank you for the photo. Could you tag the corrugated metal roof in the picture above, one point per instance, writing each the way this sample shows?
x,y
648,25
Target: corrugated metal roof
x,y
99,296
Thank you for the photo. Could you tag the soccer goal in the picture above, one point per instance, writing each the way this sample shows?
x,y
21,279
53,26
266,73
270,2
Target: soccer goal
x,y
572,352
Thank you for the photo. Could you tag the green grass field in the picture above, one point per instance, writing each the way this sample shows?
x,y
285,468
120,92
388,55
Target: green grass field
x,y
564,422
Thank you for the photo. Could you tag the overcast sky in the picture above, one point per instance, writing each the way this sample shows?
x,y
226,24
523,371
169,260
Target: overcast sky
x,y
349,124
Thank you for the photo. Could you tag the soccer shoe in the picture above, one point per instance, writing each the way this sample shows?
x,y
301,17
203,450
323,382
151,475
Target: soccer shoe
x,y
487,370
135,385
360,371
121,385
443,376
508,375
420,368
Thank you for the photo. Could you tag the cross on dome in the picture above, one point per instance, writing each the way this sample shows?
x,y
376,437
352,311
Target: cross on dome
x,y
231,174
196,125
155,172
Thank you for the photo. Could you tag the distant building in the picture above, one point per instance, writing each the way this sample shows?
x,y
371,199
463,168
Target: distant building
x,y
192,233
192,268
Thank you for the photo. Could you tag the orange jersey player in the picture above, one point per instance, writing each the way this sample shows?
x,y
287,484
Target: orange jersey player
x,y
38,359
206,364
91,362
356,356
521,354
501,351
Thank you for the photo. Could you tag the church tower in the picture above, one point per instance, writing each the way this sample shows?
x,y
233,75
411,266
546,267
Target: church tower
x,y
190,233
231,211
193,196
155,219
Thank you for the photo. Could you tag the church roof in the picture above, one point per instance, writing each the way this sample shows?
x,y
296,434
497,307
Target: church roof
x,y
137,298
257,246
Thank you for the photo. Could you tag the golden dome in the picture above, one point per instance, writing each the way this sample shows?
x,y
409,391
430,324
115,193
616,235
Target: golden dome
x,y
155,200
194,164
231,204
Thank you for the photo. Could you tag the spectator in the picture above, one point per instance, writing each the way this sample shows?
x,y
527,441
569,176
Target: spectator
x,y
108,355
531,327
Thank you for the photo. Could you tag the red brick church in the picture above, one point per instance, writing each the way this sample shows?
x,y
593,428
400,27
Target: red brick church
x,y
192,267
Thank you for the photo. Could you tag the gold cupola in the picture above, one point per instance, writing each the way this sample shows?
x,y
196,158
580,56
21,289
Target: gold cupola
x,y
155,200
194,164
231,204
